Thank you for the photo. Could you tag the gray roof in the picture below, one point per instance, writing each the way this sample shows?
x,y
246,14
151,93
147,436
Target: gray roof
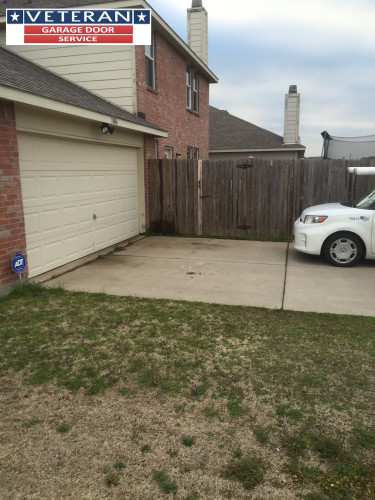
x,y
23,74
227,132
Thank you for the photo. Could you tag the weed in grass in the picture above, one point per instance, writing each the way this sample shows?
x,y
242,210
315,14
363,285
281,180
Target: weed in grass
x,y
188,441
326,446
146,448
302,473
126,391
112,479
192,496
63,428
119,465
199,389
237,453
163,481
348,475
31,423
295,445
235,406
345,478
211,412
248,471
119,248
180,408
262,435
363,438
285,410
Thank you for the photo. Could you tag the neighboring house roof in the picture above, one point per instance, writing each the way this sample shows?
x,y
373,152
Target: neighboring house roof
x,y
158,23
229,133
24,75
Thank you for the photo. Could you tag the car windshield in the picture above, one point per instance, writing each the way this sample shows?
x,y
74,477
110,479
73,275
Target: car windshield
x,y
367,201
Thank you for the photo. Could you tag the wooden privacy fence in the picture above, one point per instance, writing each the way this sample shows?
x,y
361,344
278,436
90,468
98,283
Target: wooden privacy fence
x,y
233,198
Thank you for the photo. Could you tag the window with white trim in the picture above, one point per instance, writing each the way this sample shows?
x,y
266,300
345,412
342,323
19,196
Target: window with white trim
x,y
188,87
168,153
150,64
195,92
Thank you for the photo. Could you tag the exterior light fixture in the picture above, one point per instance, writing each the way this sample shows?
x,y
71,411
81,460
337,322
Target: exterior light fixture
x,y
105,128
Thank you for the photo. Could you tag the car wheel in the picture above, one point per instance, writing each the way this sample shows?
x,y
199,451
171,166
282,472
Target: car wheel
x,y
343,249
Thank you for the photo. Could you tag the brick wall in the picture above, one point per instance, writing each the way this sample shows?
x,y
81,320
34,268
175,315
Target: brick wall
x,y
166,105
12,224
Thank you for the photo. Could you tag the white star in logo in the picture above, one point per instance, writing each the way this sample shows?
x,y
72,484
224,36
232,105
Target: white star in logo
x,y
141,17
15,17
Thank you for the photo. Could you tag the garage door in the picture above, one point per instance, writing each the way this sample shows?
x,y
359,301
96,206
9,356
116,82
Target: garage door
x,y
79,197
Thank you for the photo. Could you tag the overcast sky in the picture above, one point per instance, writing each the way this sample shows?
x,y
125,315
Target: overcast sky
x,y
258,48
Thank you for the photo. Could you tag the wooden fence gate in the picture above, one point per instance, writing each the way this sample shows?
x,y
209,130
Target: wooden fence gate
x,y
236,199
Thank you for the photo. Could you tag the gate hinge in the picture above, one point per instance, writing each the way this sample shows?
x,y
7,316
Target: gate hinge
x,y
245,165
244,227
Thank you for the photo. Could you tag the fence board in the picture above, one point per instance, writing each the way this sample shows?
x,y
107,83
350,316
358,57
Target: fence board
x,y
262,201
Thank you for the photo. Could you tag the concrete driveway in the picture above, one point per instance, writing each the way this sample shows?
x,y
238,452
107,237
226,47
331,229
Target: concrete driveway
x,y
234,272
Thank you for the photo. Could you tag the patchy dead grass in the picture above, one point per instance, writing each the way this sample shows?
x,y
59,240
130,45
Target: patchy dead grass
x,y
110,397
41,462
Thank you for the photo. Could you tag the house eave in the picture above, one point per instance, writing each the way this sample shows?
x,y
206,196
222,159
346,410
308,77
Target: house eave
x,y
21,96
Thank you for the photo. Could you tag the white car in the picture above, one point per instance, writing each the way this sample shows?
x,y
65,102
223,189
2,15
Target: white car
x,y
343,233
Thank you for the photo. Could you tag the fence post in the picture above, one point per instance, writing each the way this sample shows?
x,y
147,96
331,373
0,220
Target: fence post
x,y
199,200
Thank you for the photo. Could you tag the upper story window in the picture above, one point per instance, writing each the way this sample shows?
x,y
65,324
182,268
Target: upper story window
x,y
192,89
188,87
195,92
150,64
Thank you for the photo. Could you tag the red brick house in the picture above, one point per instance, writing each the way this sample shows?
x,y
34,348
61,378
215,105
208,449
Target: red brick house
x,y
55,205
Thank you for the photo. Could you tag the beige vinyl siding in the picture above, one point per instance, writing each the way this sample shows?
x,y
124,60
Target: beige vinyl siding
x,y
106,71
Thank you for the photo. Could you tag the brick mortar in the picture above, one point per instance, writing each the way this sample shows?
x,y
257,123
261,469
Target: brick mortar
x,y
12,234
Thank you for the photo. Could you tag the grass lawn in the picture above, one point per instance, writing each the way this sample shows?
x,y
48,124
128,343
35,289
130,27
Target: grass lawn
x,y
118,397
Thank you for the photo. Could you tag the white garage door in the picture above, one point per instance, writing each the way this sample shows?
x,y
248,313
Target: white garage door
x,y
79,197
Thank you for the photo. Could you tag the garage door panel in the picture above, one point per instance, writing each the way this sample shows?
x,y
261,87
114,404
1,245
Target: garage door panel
x,y
50,221
71,245
35,258
32,222
64,183
53,252
30,190
70,218
68,185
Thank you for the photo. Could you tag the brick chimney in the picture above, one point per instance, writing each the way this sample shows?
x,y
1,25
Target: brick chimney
x,y
291,116
197,30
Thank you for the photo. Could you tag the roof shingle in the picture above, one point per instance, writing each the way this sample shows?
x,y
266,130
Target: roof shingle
x,y
23,74
227,132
